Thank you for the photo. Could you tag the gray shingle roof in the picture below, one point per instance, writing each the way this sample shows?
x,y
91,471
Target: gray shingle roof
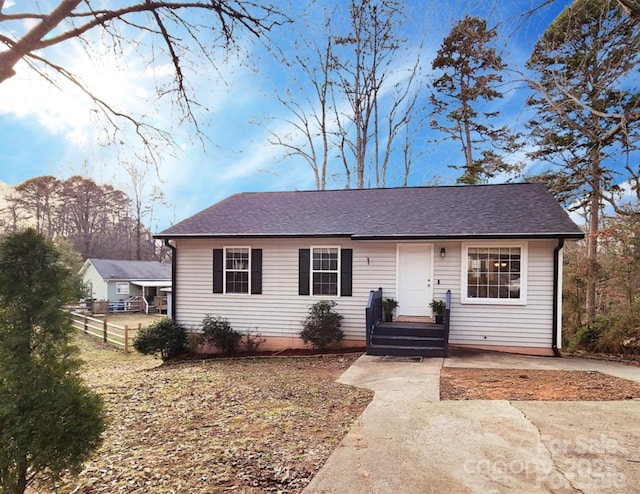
x,y
116,269
507,210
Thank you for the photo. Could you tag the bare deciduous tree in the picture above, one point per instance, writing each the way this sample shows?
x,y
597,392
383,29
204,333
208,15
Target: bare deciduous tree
x,y
358,90
309,135
37,197
97,220
176,31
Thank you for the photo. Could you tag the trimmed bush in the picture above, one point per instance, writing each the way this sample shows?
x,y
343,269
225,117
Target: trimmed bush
x,y
164,337
219,333
321,328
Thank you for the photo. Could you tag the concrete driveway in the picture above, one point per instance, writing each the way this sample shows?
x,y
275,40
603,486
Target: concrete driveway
x,y
407,441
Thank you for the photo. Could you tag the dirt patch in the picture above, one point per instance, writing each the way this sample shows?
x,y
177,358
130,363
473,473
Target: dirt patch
x,y
131,319
532,385
246,425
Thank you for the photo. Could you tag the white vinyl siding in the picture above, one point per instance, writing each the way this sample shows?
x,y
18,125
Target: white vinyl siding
x,y
527,325
95,283
279,311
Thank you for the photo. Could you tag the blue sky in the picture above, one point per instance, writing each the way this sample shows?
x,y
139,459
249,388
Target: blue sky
x,y
45,130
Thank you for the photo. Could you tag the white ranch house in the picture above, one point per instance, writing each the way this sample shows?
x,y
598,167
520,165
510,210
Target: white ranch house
x,y
121,282
262,259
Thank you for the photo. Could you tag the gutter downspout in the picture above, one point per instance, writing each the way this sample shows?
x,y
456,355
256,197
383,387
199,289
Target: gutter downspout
x,y
556,297
174,262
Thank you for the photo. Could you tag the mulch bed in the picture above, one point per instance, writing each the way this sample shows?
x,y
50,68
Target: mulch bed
x,y
532,385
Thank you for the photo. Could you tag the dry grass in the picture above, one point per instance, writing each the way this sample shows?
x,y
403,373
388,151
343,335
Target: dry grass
x,y
131,319
245,425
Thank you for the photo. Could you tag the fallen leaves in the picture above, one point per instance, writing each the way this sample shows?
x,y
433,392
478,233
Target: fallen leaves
x,y
531,385
245,425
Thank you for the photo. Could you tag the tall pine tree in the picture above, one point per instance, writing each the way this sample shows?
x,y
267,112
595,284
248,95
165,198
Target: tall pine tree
x,y
471,73
587,103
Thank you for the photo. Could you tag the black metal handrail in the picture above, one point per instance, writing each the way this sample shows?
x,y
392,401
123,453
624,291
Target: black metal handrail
x,y
447,317
373,313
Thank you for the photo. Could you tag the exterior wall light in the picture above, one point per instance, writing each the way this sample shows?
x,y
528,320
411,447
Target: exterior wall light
x,y
443,253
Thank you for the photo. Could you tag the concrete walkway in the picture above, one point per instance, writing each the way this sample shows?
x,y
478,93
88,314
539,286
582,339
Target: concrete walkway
x,y
407,441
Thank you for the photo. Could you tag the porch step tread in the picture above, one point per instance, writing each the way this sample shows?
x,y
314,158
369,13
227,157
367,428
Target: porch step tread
x,y
406,350
409,333
408,345
409,325
408,341
408,337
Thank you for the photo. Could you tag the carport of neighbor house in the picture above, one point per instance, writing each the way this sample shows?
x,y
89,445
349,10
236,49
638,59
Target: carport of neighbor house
x,y
154,297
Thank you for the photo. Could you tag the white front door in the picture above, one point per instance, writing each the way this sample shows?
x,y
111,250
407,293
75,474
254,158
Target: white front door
x,y
414,279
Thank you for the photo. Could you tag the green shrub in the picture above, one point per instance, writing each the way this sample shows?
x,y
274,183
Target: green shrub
x,y
586,338
219,333
252,340
622,335
164,337
322,326
591,337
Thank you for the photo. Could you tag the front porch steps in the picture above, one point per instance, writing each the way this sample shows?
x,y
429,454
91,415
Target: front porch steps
x,y
408,338
413,319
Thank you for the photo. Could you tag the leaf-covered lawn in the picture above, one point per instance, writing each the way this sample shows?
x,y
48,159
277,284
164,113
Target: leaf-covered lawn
x,y
245,425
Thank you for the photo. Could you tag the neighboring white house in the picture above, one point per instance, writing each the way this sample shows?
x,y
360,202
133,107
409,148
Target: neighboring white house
x,y
262,259
118,281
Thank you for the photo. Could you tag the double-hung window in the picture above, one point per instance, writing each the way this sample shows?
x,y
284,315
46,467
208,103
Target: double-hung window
x,y
122,288
494,273
237,269
325,270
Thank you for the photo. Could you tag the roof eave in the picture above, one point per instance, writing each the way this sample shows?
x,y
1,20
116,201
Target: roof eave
x,y
422,236
475,236
176,236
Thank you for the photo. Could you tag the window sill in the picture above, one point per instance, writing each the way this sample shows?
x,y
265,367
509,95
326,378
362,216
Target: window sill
x,y
493,301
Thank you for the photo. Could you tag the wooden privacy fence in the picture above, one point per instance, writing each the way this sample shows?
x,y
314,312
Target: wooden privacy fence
x,y
119,336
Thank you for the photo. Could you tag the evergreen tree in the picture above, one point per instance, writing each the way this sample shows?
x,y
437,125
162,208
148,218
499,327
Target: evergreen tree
x,y
587,104
471,73
49,420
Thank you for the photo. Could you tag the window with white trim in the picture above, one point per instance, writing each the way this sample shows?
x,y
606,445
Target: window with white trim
x,y
325,270
237,264
494,273
122,288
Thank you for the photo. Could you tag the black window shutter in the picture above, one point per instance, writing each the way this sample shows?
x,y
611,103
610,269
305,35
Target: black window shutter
x,y
304,265
218,271
346,270
256,271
